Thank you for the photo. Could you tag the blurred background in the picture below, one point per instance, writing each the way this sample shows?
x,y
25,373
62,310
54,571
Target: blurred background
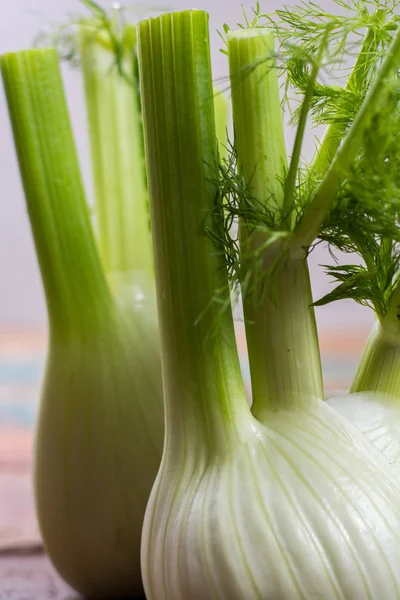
x,y
343,326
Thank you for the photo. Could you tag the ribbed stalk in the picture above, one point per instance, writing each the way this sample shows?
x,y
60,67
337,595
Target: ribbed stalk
x,y
379,368
257,114
76,291
202,381
280,325
117,150
221,106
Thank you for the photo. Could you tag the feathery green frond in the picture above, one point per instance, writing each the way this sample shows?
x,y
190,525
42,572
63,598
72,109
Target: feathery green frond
x,y
365,217
331,94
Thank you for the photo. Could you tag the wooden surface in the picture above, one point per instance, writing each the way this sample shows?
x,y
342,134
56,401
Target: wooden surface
x,y
31,577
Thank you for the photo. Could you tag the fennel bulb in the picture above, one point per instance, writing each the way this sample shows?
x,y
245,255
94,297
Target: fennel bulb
x,y
302,508
298,506
100,426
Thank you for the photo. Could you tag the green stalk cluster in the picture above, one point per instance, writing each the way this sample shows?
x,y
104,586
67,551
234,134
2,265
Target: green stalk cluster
x,y
178,488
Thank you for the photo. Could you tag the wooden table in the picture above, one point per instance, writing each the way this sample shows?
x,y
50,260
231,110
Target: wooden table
x,y
29,576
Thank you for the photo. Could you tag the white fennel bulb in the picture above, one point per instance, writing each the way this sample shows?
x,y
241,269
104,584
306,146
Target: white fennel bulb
x,y
301,508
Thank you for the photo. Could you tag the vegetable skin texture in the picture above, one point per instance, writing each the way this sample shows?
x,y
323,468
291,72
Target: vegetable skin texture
x,y
301,507
100,426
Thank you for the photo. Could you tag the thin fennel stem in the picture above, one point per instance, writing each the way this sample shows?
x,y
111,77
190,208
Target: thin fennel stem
x,y
221,121
309,225
280,325
298,143
335,132
76,291
257,114
117,151
202,381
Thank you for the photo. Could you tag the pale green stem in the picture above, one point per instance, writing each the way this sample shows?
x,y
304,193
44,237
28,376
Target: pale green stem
x,y
280,325
379,367
76,291
309,225
204,393
335,132
117,150
257,114
282,338
331,141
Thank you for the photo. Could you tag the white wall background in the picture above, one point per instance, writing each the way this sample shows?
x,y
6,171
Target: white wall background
x,y
21,297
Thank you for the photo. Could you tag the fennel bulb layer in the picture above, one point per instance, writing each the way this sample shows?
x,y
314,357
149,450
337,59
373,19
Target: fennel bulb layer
x,y
303,508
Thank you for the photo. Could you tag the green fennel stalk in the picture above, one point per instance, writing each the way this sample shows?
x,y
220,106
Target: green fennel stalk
x,y
103,46
280,324
77,294
379,367
188,271
116,139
